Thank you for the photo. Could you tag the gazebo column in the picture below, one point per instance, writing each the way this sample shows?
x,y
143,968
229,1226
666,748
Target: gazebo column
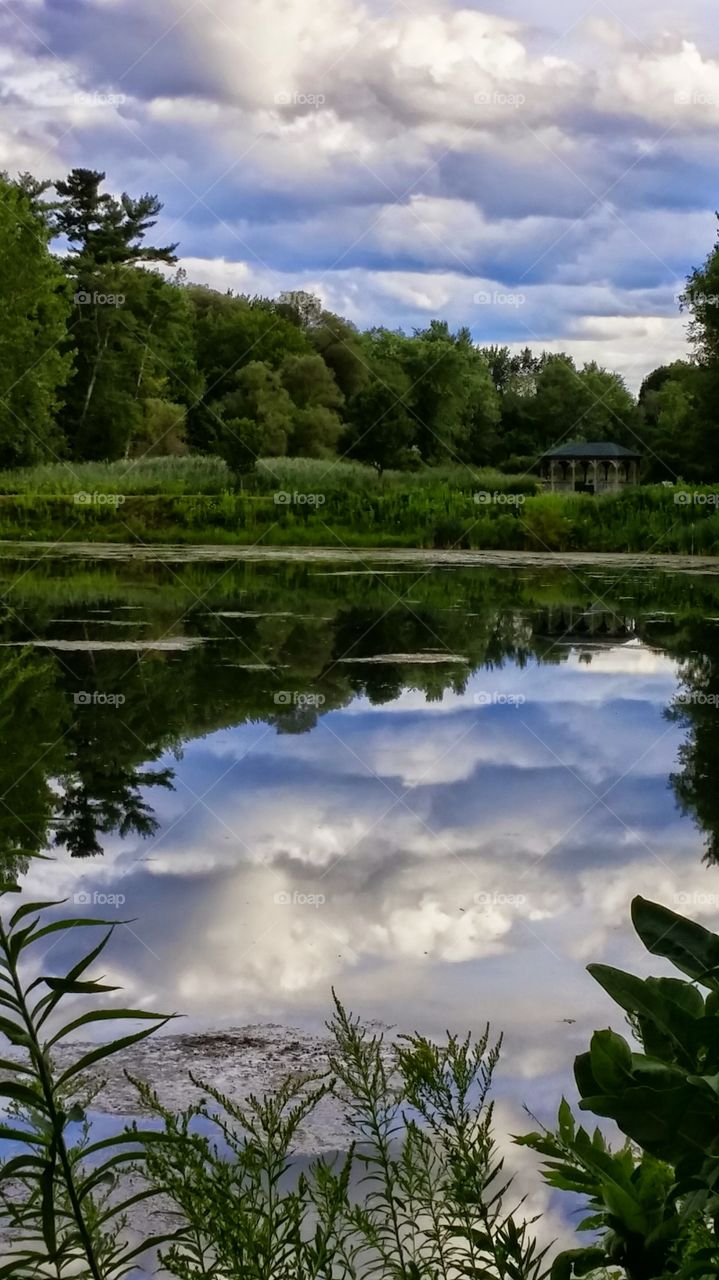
x,y
574,475
595,471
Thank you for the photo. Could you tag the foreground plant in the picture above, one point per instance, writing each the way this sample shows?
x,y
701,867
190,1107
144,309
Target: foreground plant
x,y
418,1195
62,1202
655,1202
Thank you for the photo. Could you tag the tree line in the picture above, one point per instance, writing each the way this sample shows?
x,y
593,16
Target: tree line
x,y
105,353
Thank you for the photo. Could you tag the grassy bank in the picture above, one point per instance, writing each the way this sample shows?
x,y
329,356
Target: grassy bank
x,y
307,502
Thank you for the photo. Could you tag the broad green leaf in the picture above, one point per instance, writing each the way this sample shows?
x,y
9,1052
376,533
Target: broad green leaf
x,y
689,946
565,1121
611,1060
636,996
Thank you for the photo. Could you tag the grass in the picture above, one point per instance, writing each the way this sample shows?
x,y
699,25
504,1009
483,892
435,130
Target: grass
x,y
199,474
318,502
149,475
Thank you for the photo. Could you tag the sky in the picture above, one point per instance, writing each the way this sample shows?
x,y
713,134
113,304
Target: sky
x,y
544,174
437,864
375,855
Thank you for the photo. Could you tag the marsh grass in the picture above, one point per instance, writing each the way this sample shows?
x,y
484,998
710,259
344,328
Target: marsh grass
x,y
198,474
431,1202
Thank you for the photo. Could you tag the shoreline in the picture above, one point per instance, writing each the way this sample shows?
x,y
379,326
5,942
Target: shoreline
x,y
183,552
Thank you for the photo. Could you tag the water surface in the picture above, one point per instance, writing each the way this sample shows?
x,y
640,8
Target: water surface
x,y
433,786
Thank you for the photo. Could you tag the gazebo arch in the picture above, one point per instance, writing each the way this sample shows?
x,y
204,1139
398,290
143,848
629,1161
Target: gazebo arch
x,y
589,467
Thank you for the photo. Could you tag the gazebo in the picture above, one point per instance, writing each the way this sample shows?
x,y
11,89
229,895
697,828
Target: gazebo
x,y
595,467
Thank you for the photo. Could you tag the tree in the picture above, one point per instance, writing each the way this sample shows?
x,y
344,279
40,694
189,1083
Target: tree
x,y
309,382
132,329
241,443
34,309
340,345
672,422
260,396
303,308
316,426
101,230
482,411
436,364
382,431
230,333
611,410
134,345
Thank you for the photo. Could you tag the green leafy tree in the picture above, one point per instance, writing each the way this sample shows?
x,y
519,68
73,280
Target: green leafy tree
x,y
382,430
260,395
35,360
230,333
240,443
131,327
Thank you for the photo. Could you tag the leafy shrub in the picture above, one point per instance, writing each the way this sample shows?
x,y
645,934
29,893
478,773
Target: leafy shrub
x,y
656,1201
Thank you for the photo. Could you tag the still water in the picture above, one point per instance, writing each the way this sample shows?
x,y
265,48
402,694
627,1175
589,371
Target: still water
x,y
435,787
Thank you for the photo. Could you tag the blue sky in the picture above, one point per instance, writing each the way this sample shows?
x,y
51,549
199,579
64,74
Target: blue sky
x,y
490,848
546,175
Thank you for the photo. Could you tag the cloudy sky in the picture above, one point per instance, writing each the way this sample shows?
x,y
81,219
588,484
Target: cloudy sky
x,y
545,174
438,863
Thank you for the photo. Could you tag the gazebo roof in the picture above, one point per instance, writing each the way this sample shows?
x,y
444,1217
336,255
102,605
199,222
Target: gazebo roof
x,y
591,449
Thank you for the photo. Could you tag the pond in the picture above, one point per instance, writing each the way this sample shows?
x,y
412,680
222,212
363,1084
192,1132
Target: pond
x,y
431,785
